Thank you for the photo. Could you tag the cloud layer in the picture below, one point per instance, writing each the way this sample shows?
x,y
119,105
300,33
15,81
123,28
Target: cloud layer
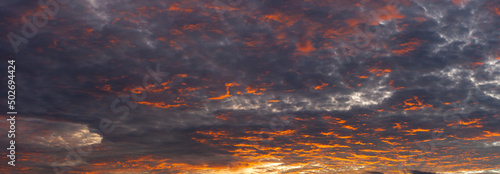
x,y
257,86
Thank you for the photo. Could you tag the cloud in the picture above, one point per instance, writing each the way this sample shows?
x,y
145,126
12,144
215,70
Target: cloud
x,y
259,87
419,172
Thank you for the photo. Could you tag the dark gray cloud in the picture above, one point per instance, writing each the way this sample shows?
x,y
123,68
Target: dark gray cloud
x,y
258,86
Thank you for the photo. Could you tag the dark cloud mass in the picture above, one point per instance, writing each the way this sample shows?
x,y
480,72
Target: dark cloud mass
x,y
243,86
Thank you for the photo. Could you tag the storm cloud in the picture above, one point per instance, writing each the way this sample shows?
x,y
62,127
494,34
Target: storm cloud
x,y
255,86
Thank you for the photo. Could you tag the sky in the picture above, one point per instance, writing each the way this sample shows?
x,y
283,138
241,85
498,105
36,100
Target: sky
x,y
253,86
